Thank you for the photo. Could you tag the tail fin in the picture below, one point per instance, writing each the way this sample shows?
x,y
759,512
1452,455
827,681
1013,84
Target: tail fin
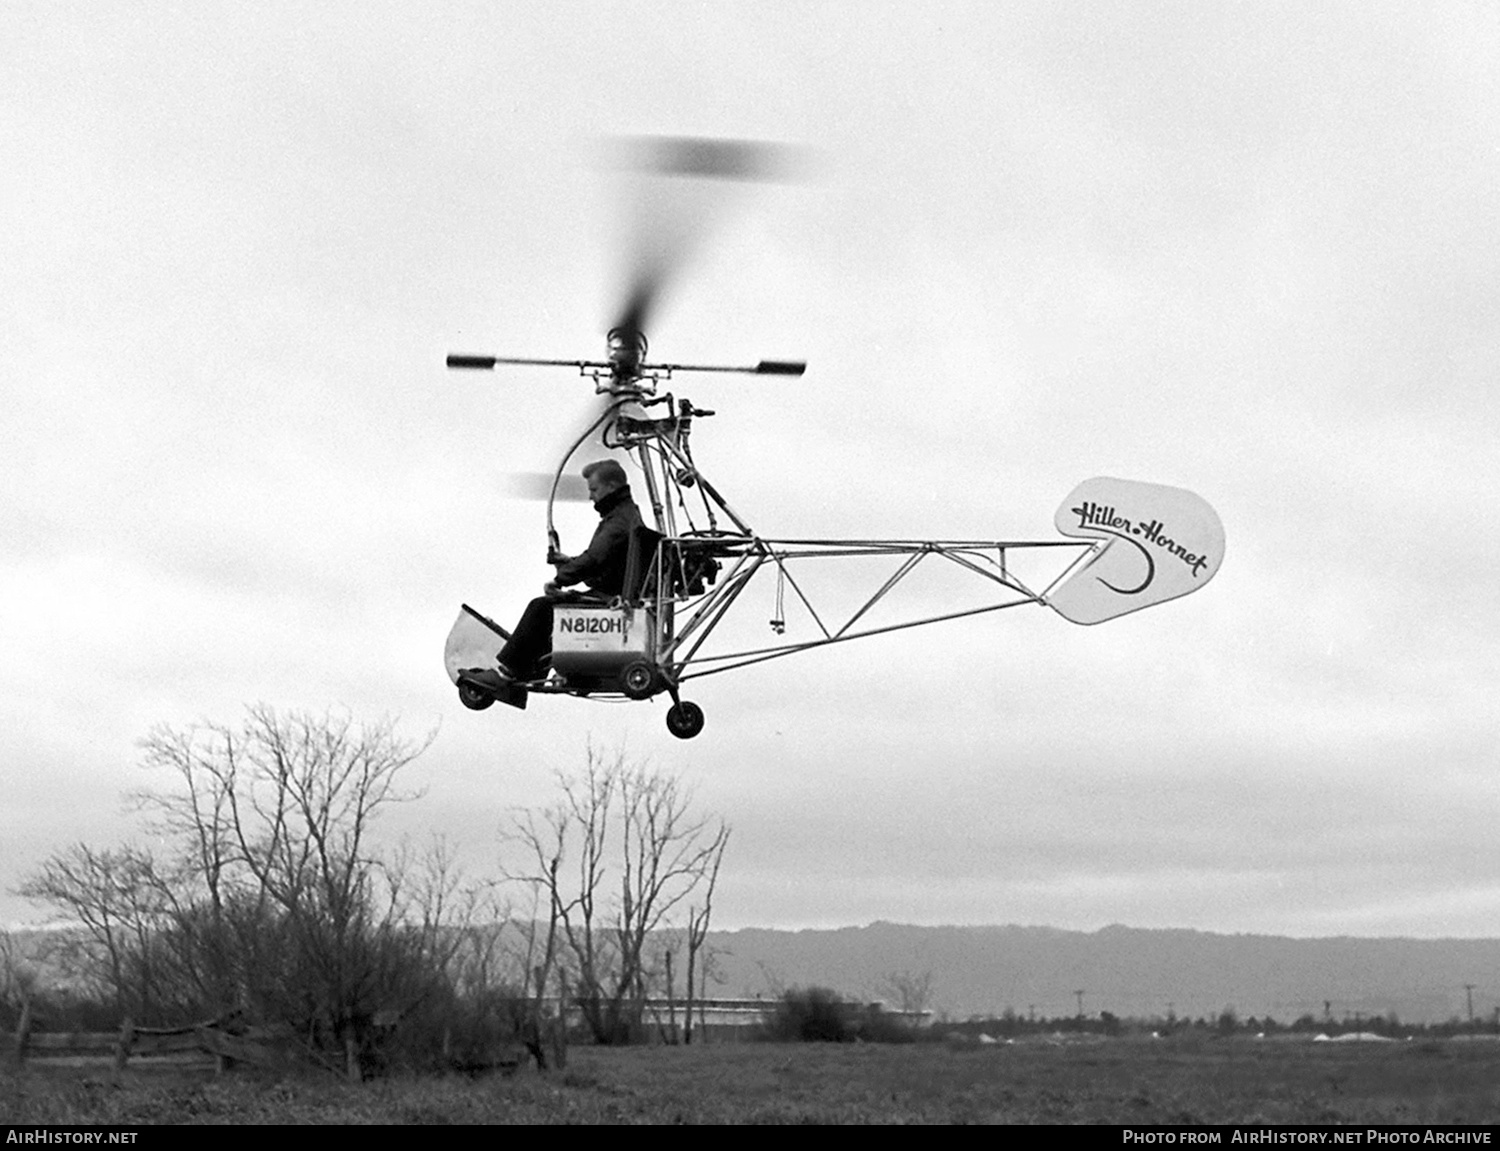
x,y
1155,543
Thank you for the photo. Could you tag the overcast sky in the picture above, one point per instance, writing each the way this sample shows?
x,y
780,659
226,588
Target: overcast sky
x,y
1245,249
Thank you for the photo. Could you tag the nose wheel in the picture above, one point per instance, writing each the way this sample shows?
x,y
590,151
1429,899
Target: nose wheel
x,y
684,719
474,698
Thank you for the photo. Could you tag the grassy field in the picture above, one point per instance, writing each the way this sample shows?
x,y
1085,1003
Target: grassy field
x,y
1123,1081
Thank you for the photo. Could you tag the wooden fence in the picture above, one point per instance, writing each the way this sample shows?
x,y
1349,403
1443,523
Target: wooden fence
x,y
198,1046
221,1043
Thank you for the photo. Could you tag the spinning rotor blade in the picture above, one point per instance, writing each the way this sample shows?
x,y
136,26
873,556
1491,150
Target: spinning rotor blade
x,y
671,209
538,486
706,157
584,446
670,220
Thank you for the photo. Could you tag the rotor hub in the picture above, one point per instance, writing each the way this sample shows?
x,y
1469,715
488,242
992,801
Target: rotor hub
x,y
627,349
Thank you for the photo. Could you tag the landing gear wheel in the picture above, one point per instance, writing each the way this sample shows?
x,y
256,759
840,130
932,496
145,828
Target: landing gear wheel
x,y
639,680
473,698
684,719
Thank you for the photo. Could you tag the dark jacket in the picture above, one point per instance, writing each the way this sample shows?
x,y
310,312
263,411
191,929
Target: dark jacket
x,y
602,564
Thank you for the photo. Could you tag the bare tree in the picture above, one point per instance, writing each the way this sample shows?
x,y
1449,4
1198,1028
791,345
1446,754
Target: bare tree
x,y
670,1033
17,979
698,919
613,859
539,965
268,896
910,991
274,819
119,898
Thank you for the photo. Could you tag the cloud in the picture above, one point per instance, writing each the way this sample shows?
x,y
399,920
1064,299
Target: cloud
x,y
1243,253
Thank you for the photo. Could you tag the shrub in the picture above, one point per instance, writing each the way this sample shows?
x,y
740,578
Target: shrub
x,y
811,1015
877,1026
818,1015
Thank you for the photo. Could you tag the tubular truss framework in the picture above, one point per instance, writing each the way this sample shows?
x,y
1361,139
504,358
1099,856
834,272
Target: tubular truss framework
x,y
678,489
680,648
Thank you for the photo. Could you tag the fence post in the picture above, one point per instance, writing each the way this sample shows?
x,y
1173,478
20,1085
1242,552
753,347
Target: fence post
x,y
122,1049
560,1025
211,1039
23,1031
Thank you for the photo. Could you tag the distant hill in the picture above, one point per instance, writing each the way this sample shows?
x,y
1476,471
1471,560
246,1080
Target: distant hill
x,y
1128,971
1132,972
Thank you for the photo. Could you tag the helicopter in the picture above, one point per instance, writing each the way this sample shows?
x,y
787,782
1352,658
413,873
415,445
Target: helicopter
x,y
1127,545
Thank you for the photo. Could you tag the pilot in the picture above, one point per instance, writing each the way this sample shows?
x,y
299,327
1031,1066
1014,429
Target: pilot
x,y
601,567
